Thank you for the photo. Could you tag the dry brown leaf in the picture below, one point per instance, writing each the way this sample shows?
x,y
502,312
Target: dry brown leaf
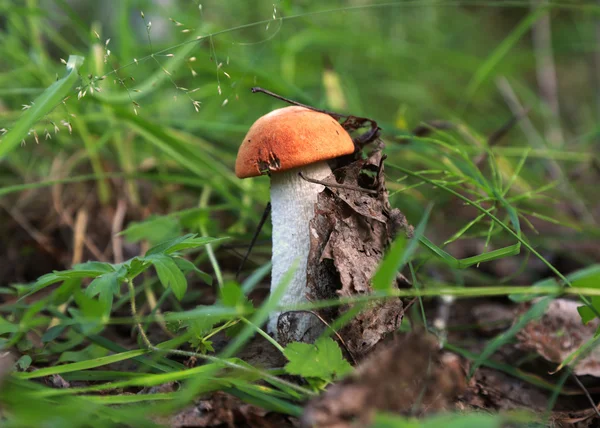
x,y
349,234
559,333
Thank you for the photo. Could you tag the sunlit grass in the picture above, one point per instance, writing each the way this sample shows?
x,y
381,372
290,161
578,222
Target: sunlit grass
x,y
163,98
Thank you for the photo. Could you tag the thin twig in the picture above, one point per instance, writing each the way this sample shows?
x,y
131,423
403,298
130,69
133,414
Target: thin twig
x,y
117,226
499,133
537,141
261,223
341,186
546,72
296,103
66,218
42,240
587,394
81,222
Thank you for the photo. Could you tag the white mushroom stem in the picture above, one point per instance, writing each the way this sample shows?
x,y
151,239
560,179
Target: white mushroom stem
x,y
292,207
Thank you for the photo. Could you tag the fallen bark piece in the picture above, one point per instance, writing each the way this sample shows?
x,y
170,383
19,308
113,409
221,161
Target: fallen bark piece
x,y
559,333
349,234
408,375
491,390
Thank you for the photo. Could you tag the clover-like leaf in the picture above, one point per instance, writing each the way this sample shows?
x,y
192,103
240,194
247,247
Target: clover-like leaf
x,y
169,274
323,359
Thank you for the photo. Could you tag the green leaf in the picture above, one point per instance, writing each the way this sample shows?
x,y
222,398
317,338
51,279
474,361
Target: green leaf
x,y
586,278
91,313
65,291
322,360
79,274
186,242
398,255
204,325
87,354
7,327
42,105
43,282
135,266
186,266
98,267
192,243
169,274
155,229
393,261
586,313
106,286
53,332
24,362
199,328
232,295
164,246
202,345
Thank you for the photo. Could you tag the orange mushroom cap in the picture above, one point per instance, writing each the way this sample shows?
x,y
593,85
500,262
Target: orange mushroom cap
x,y
290,137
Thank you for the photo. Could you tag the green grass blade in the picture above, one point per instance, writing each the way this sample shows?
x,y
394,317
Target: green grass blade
x,y
398,256
535,312
82,365
42,105
486,69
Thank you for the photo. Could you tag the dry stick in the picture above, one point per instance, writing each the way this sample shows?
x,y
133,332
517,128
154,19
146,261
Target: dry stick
x,y
37,236
296,103
341,186
117,226
81,222
263,219
546,72
499,133
209,358
587,394
67,219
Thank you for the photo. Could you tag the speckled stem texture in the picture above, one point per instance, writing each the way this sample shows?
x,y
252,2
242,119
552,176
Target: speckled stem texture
x,y
293,203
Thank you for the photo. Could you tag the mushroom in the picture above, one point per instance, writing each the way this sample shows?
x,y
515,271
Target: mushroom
x,y
282,144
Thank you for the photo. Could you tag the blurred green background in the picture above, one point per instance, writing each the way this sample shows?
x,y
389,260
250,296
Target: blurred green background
x,y
497,101
165,101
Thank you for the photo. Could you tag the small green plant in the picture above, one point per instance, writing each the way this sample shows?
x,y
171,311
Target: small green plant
x,y
147,112
320,363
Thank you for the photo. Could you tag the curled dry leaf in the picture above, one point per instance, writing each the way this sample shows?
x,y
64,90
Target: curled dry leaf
x,y
408,375
559,333
349,234
493,390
